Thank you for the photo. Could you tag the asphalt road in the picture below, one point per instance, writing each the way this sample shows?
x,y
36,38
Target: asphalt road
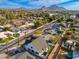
x,y
56,49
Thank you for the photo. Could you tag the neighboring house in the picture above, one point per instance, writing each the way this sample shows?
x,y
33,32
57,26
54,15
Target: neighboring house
x,y
38,46
75,55
17,23
77,16
28,24
66,25
56,26
5,34
50,31
51,14
73,17
2,35
76,25
54,29
24,55
1,28
15,30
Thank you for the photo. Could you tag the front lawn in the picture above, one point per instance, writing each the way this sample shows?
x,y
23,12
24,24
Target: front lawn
x,y
9,38
5,40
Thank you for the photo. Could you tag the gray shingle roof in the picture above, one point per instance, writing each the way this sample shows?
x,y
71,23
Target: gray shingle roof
x,y
25,55
40,43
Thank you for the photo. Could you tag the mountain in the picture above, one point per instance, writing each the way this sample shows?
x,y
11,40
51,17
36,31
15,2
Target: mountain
x,y
53,8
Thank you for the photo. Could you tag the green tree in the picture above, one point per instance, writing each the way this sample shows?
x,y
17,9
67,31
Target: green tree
x,y
50,19
16,35
2,21
38,23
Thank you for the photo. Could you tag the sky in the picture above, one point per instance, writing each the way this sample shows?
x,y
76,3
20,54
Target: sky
x,y
32,4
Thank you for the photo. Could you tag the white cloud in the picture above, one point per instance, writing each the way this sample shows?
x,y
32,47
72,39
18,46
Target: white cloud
x,y
8,4
72,6
38,3
48,2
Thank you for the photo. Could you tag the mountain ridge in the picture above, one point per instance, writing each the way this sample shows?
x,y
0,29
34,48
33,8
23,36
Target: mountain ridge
x,y
53,8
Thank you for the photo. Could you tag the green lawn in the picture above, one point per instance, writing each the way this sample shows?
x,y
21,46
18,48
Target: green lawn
x,y
6,40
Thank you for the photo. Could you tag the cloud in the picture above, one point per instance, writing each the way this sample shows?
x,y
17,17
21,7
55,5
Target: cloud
x,y
71,5
49,2
37,3
8,4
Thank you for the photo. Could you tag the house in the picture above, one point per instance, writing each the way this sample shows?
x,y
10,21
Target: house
x,y
75,54
2,35
1,28
49,31
73,17
17,23
50,15
56,26
76,25
77,16
28,24
38,46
